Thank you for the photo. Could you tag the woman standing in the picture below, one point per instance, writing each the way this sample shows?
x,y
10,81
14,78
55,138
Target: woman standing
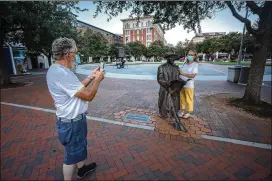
x,y
188,71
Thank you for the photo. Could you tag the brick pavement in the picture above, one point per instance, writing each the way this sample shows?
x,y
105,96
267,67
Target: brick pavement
x,y
30,150
116,96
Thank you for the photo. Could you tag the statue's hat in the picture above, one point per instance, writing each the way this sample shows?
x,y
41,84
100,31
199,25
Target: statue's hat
x,y
171,55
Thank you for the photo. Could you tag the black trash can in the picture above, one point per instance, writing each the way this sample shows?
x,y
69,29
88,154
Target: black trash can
x,y
244,74
234,74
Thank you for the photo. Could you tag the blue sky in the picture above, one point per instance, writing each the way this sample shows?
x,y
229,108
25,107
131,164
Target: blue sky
x,y
222,21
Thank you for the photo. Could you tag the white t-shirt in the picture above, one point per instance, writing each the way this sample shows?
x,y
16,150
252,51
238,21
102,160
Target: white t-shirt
x,y
189,69
63,84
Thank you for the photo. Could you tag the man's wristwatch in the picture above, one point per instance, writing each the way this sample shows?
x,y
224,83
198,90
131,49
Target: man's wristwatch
x,y
90,77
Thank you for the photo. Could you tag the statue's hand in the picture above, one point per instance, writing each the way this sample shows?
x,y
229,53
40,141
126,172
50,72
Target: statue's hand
x,y
168,84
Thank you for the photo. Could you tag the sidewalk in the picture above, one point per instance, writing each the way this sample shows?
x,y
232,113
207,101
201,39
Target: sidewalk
x,y
30,150
116,96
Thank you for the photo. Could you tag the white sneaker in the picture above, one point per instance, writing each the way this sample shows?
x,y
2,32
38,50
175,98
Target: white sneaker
x,y
180,114
186,116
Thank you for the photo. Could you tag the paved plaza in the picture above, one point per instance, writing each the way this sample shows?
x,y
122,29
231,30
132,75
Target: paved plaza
x,y
126,148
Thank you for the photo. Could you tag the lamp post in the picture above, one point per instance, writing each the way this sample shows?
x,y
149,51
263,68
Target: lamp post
x,y
242,42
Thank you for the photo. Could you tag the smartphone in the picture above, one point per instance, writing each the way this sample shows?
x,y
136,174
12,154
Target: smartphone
x,y
102,65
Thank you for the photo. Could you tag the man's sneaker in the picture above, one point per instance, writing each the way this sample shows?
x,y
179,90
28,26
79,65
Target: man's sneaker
x,y
83,171
180,114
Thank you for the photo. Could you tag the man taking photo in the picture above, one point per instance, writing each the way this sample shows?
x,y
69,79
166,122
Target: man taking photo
x,y
71,97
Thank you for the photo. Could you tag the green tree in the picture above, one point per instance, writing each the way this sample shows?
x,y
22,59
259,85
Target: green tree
x,y
93,44
181,48
156,49
113,49
35,24
190,13
226,43
137,49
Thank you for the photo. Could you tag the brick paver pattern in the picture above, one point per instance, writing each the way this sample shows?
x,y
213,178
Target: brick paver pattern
x,y
30,149
116,96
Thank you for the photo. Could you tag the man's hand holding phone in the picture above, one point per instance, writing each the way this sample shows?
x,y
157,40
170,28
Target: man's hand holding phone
x,y
99,75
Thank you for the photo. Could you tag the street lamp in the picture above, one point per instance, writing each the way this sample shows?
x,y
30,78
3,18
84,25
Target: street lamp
x,y
242,42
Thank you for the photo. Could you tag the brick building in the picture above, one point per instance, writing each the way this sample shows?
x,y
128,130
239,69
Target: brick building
x,y
143,30
111,37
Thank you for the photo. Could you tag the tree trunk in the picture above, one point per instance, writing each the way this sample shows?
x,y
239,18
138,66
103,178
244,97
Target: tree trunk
x,y
253,89
4,76
49,58
256,72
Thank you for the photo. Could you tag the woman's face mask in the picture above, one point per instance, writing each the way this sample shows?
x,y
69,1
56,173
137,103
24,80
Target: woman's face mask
x,y
190,58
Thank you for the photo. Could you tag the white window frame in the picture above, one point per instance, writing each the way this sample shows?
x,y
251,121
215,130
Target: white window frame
x,y
126,32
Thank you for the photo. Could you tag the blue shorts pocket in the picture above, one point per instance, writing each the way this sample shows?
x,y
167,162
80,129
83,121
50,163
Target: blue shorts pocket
x,y
75,152
64,130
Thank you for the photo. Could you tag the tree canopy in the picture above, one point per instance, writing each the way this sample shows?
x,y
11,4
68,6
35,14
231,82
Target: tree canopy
x,y
156,49
92,44
226,43
137,49
34,24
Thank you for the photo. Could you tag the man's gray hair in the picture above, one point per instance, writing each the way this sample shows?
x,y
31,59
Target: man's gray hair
x,y
61,46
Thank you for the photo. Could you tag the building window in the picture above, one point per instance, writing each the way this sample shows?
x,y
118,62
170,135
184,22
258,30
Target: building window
x,y
127,32
138,38
126,26
148,23
142,24
138,31
148,37
127,39
148,30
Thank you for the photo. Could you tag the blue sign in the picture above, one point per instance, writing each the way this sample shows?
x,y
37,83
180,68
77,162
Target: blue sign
x,y
137,117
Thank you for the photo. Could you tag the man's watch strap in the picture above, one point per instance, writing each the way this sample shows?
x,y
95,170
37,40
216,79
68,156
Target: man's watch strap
x,y
90,77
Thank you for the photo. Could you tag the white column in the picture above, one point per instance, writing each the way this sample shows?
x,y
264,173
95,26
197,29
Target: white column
x,y
90,59
29,64
12,61
217,55
109,60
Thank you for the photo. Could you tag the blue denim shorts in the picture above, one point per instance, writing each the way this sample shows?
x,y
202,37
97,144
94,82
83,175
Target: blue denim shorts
x,y
73,136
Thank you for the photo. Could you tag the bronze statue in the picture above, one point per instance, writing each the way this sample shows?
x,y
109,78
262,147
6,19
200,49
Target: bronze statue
x,y
170,86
